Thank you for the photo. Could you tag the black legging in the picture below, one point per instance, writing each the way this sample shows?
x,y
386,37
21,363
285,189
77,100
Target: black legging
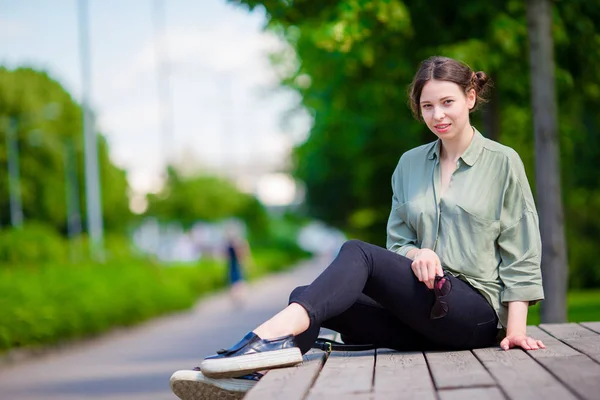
x,y
370,295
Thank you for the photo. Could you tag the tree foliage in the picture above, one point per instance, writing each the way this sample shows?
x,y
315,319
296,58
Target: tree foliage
x,y
47,120
352,63
204,198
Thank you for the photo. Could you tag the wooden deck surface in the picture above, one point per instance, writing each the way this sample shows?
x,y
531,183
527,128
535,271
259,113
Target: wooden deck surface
x,y
568,369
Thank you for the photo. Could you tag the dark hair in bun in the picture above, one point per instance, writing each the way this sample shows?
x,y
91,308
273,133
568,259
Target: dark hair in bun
x,y
447,69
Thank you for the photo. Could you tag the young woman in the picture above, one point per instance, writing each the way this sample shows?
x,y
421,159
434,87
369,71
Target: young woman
x,y
462,262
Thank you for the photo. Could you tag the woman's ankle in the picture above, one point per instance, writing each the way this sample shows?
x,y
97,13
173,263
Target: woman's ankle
x,y
292,320
264,333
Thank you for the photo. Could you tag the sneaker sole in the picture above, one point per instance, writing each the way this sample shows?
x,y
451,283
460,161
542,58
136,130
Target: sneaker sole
x,y
241,365
193,385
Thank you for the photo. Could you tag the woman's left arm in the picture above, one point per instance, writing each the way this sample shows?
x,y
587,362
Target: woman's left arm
x,y
516,331
520,247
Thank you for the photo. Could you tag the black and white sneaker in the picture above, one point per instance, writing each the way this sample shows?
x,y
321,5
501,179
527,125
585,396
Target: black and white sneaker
x,y
193,385
252,354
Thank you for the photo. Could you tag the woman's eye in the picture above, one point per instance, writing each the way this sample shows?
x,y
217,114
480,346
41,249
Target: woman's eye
x,y
426,106
447,102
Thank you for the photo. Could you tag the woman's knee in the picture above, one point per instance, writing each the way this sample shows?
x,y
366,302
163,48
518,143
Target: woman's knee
x,y
296,293
352,244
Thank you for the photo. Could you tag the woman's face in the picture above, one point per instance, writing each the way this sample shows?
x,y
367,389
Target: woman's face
x,y
445,108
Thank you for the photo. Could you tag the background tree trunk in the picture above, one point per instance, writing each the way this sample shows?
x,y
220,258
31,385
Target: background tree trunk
x,y
491,113
547,160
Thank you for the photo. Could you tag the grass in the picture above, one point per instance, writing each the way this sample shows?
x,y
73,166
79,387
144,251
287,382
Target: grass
x,y
582,306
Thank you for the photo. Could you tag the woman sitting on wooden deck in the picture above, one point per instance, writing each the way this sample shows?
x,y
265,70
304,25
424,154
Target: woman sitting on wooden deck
x,y
462,262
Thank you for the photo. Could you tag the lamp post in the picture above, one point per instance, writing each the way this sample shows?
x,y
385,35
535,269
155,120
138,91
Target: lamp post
x,y
163,82
14,185
72,199
92,181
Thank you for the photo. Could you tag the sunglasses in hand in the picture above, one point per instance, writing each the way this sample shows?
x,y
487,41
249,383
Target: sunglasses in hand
x,y
441,288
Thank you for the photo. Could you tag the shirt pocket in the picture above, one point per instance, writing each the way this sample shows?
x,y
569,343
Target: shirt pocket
x,y
472,247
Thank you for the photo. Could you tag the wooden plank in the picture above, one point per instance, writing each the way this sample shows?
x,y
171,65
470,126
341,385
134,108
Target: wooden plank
x,y
564,370
345,375
488,393
289,383
402,375
579,337
536,333
457,369
594,326
588,346
345,396
519,376
554,347
579,373
567,331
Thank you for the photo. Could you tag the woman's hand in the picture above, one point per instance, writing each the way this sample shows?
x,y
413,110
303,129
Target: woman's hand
x,y
516,329
522,341
426,265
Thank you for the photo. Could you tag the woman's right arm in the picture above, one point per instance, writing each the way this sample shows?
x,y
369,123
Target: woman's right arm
x,y
401,238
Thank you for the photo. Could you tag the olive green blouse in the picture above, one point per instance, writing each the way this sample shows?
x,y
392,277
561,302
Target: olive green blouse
x,y
484,228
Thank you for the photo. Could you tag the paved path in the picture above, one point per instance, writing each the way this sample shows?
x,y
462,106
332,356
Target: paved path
x,y
136,363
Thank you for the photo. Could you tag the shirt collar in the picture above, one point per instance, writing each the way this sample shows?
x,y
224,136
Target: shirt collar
x,y
470,155
434,151
475,148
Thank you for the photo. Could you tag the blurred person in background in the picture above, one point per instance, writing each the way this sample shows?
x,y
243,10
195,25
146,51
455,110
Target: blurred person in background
x,y
238,256
462,262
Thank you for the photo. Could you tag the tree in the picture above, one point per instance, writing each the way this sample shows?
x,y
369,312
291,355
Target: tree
x,y
189,199
48,122
547,160
351,61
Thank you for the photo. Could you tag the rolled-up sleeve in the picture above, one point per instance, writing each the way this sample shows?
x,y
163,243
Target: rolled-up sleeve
x,y
520,243
520,249
400,238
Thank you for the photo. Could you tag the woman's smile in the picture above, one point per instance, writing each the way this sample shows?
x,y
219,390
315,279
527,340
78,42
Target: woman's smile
x,y
442,128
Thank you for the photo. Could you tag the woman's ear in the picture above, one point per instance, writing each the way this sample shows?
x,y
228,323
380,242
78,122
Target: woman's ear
x,y
471,98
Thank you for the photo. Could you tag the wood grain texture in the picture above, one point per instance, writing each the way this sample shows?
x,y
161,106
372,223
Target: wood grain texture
x,y
520,376
554,347
579,373
587,345
579,337
536,333
345,374
289,383
490,393
594,326
344,396
457,369
567,331
402,375
568,369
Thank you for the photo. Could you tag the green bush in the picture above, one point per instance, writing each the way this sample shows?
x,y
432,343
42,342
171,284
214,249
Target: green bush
x,y
275,259
278,249
45,304
51,291
32,244
36,244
